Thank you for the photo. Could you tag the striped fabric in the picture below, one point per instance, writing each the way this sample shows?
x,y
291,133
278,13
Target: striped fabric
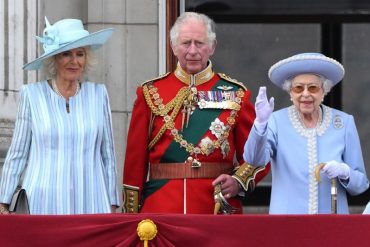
x,y
71,160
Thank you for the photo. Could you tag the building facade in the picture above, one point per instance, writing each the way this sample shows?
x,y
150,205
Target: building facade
x,y
252,35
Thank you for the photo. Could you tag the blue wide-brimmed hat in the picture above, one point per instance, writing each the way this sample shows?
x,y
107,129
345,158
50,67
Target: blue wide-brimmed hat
x,y
306,63
64,35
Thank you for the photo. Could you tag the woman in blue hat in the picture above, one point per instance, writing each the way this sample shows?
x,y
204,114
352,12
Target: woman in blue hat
x,y
306,139
63,142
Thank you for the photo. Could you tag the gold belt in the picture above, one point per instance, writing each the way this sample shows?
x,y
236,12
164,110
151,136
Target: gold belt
x,y
185,170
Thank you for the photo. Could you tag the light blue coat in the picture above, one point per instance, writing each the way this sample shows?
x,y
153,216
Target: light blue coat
x,y
294,152
68,158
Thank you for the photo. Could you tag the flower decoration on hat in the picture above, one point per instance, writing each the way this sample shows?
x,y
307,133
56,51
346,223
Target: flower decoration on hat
x,y
50,38
65,35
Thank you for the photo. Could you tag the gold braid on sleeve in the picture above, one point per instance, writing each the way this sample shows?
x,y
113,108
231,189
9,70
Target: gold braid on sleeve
x,y
246,174
130,195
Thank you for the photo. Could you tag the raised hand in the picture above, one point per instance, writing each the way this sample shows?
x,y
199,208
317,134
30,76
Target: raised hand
x,y
264,109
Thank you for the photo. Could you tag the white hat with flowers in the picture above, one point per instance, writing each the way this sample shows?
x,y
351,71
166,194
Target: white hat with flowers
x,y
64,35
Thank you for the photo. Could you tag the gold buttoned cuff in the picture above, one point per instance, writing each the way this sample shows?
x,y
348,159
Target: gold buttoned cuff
x,y
246,174
130,199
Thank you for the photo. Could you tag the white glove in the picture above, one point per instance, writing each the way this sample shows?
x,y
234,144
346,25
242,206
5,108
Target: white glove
x,y
264,108
335,169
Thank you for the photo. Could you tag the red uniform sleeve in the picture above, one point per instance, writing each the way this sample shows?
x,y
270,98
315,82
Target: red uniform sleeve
x,y
136,161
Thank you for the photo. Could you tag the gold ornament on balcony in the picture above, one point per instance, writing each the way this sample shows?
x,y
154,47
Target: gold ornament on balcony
x,y
146,230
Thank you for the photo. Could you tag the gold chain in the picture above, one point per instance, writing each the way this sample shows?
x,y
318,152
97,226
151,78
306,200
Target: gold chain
x,y
164,127
190,147
175,104
161,110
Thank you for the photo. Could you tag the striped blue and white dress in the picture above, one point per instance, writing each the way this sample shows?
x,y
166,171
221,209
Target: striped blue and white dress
x,y
68,159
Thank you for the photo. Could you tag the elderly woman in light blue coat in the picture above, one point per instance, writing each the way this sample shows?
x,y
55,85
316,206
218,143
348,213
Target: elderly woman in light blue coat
x,y
297,139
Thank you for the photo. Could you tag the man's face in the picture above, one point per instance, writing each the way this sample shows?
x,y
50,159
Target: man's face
x,y
192,48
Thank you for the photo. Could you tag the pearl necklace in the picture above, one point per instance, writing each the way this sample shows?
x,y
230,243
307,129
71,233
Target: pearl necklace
x,y
318,121
55,88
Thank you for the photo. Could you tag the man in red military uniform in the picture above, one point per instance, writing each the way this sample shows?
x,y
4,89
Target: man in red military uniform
x,y
187,133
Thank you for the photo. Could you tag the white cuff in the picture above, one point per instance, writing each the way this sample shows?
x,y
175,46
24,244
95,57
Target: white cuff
x,y
260,127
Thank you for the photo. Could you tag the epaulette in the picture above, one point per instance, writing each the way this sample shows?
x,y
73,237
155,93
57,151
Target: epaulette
x,y
156,79
229,79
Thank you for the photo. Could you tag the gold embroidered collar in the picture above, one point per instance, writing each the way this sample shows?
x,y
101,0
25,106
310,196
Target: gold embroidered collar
x,y
196,79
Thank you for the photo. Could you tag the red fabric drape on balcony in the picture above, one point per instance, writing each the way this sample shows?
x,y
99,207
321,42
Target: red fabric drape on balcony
x,y
186,230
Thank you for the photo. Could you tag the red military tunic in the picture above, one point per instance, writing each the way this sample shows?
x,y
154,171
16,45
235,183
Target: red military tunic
x,y
213,136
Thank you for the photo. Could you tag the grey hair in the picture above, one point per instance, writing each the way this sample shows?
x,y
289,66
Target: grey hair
x,y
185,17
326,84
51,69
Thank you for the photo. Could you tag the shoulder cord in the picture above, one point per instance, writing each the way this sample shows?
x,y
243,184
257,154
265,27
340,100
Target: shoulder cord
x,y
175,105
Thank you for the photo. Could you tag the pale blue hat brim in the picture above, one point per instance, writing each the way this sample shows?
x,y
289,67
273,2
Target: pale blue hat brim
x,y
306,63
94,40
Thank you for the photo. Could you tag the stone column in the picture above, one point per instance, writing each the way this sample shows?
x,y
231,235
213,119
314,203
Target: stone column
x,y
17,46
129,58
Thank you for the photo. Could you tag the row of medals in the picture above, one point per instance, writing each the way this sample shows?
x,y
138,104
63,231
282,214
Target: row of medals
x,y
204,100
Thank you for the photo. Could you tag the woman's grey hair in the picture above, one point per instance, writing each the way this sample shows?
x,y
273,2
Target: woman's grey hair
x,y
326,84
185,17
51,69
